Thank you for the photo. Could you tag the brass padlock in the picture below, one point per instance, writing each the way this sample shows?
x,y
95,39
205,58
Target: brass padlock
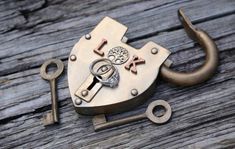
x,y
106,75
107,44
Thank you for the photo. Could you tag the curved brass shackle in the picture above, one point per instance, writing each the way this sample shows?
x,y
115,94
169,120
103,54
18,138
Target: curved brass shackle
x,y
206,70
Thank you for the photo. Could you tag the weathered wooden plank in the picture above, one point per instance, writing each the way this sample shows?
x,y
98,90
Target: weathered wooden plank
x,y
33,48
204,115
31,81
188,115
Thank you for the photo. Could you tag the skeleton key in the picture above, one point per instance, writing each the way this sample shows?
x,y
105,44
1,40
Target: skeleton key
x,y
53,116
101,123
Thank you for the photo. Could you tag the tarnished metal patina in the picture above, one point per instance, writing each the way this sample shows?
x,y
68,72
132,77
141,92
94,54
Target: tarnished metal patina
x,y
106,75
53,116
206,70
100,122
130,68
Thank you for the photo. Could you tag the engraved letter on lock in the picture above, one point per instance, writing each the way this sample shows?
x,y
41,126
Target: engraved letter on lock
x,y
131,65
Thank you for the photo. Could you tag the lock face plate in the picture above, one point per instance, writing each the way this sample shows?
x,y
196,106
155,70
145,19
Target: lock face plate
x,y
137,70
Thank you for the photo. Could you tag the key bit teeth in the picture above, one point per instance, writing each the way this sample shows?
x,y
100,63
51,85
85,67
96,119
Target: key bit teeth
x,y
99,119
48,119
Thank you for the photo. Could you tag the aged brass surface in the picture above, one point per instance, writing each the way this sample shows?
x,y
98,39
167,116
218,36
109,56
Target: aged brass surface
x,y
100,121
107,99
53,116
204,72
137,69
84,87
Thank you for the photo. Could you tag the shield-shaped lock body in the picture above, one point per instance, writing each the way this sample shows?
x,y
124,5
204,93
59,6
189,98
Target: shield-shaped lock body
x,y
106,75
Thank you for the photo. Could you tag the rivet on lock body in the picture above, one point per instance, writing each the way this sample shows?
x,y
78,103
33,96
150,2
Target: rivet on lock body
x,y
106,75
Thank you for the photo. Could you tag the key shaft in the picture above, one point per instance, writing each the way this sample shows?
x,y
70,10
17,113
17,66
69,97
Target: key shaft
x,y
119,122
101,123
54,102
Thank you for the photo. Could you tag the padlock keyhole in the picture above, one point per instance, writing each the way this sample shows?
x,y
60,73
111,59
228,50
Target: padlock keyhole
x,y
95,80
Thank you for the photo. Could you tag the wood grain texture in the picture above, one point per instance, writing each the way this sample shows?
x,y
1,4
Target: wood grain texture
x,y
33,31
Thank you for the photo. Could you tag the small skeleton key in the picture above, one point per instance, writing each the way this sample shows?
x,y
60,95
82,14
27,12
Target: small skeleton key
x,y
53,116
101,123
